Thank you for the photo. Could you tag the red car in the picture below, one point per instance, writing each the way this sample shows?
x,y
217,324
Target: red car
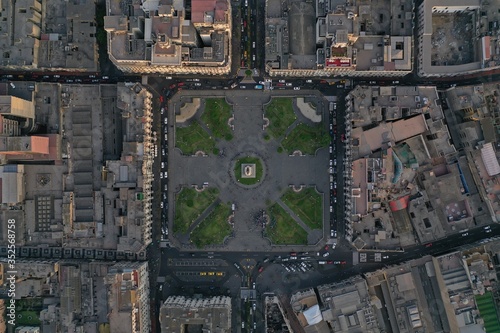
x,y
181,84
329,262
342,137
326,247
161,99
172,86
428,245
293,253
261,268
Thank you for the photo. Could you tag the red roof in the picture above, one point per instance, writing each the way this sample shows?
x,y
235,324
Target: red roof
x,y
200,7
400,203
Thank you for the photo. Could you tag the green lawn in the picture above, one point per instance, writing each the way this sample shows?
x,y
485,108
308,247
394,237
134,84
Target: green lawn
x,y
27,318
307,204
488,312
281,115
305,138
217,113
214,228
189,204
193,138
283,229
258,171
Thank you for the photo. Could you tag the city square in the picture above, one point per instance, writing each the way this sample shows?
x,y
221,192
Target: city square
x,y
263,162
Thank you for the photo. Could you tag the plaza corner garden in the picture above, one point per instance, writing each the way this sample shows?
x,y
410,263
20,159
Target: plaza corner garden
x,y
307,205
211,229
301,137
201,134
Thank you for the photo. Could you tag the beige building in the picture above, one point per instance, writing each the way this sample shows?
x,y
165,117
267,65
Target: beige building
x,y
365,38
128,297
58,35
158,37
179,314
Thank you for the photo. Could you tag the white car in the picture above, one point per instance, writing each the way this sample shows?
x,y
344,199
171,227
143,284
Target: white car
x,y
163,165
165,121
309,81
296,88
289,84
161,175
326,254
162,110
161,204
281,81
197,84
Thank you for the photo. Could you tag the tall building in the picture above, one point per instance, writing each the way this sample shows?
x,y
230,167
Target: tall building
x,y
128,297
179,314
365,38
169,36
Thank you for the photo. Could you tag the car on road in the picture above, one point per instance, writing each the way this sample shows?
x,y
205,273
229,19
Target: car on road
x,y
161,204
309,81
488,230
465,234
289,84
281,81
253,285
428,245
163,165
296,88
261,269
293,253
162,110
197,84
385,257
254,306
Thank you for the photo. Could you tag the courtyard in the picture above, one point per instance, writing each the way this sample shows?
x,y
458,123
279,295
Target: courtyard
x,y
237,185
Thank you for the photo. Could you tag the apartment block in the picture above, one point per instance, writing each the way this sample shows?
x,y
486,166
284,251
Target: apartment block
x,y
174,37
181,314
58,35
368,38
85,158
